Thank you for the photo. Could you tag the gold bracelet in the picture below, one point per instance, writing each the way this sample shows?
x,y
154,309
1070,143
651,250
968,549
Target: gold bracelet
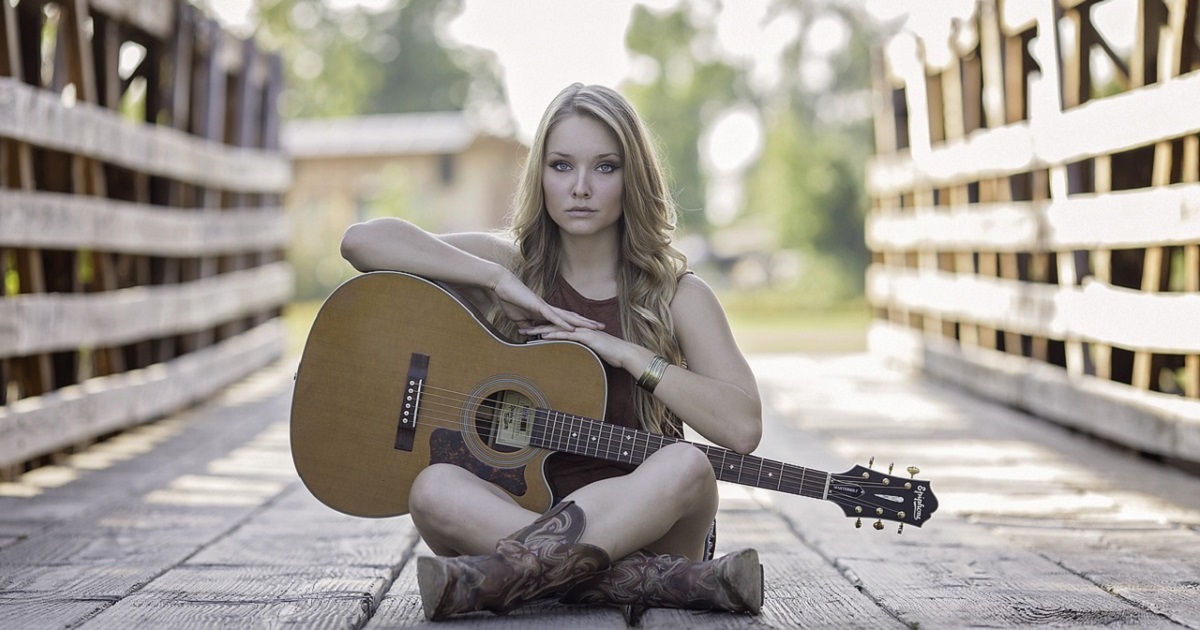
x,y
653,374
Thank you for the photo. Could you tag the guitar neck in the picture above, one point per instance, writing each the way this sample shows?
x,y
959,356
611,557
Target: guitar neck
x,y
567,433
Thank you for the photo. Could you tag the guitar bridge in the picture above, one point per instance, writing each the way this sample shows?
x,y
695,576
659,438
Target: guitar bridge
x,y
406,428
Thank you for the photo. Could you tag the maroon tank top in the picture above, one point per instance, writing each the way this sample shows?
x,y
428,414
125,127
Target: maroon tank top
x,y
566,472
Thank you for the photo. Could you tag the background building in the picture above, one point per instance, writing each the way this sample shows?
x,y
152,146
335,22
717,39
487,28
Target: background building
x,y
435,169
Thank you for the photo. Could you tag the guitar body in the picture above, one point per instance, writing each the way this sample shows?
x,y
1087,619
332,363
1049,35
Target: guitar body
x,y
352,387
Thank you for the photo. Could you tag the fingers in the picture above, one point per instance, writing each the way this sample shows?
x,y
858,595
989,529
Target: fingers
x,y
559,318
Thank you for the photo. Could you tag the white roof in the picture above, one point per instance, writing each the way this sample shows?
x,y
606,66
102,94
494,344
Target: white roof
x,y
432,133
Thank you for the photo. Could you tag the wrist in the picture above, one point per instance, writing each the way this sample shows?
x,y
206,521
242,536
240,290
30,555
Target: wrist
x,y
652,375
495,276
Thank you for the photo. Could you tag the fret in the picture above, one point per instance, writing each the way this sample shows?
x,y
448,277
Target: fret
x,y
607,443
579,444
593,440
536,437
628,442
568,433
748,474
555,440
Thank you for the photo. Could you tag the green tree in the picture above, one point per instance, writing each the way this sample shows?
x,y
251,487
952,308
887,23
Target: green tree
x,y
353,61
809,182
426,75
687,91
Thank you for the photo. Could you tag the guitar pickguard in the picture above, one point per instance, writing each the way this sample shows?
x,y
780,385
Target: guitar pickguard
x,y
447,447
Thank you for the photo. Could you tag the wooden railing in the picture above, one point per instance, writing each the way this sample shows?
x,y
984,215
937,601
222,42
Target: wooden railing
x,y
141,228
1035,240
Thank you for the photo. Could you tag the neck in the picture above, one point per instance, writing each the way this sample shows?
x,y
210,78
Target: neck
x,y
589,263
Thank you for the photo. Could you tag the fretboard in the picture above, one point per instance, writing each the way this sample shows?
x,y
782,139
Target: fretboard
x,y
566,433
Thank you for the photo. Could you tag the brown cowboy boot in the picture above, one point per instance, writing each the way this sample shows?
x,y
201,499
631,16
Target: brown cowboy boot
x,y
731,583
543,557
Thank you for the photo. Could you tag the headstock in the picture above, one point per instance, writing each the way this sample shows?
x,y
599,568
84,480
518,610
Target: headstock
x,y
862,492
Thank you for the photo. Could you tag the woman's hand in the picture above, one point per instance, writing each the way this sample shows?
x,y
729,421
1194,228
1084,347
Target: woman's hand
x,y
528,310
613,351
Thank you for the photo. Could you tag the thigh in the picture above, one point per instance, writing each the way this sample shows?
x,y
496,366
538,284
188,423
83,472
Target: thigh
x,y
458,513
667,505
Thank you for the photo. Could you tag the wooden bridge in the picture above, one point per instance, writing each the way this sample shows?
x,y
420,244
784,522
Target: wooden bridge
x,y
199,521
1029,247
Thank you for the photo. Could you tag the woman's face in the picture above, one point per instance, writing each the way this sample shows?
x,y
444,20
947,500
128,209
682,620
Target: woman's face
x,y
582,179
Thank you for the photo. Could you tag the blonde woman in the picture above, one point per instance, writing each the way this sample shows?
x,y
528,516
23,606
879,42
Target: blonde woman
x,y
591,261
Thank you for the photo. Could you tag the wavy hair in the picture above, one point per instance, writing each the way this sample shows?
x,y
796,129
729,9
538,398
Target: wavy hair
x,y
649,267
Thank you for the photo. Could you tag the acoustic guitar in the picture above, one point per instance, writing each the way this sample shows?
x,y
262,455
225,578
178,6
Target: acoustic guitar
x,y
399,373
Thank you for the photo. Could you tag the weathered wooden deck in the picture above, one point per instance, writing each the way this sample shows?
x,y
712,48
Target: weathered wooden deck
x,y
200,521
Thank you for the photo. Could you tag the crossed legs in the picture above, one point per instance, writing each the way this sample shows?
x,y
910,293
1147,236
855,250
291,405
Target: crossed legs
x,y
667,505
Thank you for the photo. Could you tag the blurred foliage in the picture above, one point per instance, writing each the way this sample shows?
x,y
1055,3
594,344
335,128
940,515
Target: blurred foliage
x,y
358,60
805,192
687,92
800,213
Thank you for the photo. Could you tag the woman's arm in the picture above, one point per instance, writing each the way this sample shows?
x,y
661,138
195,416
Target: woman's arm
x,y
471,259
717,395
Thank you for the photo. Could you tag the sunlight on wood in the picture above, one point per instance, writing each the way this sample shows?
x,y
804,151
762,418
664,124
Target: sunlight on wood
x,y
204,490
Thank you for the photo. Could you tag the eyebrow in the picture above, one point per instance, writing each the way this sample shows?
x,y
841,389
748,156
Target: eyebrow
x,y
568,155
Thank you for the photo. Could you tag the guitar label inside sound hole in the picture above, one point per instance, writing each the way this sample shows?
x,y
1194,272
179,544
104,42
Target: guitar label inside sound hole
x,y
504,421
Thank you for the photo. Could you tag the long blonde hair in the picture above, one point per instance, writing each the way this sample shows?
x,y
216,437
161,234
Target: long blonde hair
x,y
648,268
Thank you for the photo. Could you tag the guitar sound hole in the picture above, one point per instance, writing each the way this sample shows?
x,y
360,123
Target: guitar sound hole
x,y
504,421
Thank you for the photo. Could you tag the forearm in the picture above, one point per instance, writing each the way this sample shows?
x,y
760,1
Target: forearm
x,y
397,245
721,411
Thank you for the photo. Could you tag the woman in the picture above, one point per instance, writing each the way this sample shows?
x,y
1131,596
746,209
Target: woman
x,y
592,262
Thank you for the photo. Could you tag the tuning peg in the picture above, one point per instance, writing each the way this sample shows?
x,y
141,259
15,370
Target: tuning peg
x,y
878,525
890,467
858,523
871,462
913,470
901,530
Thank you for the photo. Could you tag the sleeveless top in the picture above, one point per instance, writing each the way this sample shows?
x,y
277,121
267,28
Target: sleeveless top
x,y
565,472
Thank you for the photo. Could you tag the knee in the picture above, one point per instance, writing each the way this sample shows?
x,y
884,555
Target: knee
x,y
691,467
427,498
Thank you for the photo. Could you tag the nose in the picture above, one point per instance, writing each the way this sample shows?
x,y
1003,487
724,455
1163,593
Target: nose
x,y
582,187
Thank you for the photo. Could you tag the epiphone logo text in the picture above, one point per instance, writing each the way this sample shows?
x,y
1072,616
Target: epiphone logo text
x,y
919,504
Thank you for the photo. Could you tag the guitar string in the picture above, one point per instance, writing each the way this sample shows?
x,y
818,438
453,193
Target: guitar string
x,y
457,401
556,426
611,444
796,483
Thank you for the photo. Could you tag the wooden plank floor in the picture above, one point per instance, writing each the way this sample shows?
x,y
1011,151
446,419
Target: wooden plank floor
x,y
198,521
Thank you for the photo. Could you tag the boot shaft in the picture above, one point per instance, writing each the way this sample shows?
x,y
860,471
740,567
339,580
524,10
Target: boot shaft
x,y
731,583
542,557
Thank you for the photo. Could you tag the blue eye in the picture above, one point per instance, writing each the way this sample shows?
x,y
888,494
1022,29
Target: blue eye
x,y
606,168
560,166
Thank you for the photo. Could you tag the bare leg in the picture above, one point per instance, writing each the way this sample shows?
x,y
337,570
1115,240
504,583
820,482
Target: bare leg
x,y
458,513
667,505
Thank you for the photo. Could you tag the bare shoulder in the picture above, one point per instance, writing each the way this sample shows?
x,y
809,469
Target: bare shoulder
x,y
695,297
704,335
700,319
